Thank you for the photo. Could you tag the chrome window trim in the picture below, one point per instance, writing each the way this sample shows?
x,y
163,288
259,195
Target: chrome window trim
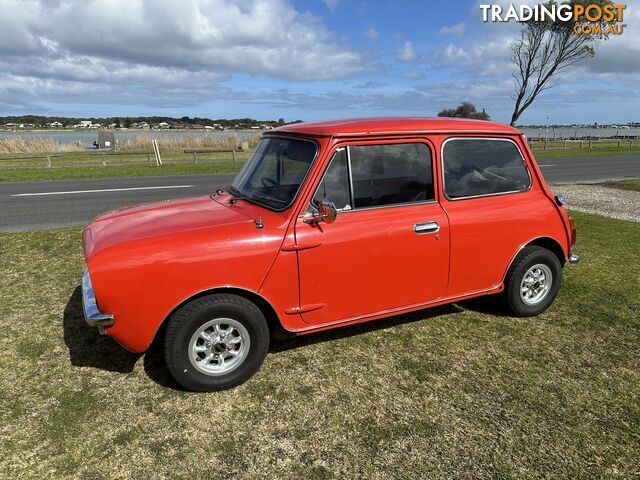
x,y
376,207
338,150
498,139
392,205
351,197
302,182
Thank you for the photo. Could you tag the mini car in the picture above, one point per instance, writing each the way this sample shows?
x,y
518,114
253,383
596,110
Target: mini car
x,y
328,224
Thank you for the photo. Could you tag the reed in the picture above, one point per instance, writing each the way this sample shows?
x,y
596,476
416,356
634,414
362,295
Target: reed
x,y
34,145
226,142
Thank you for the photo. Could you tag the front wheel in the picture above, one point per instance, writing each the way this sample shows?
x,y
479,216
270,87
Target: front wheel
x,y
533,281
216,342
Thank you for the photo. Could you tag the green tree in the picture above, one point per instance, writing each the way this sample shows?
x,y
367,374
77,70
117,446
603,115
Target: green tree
x,y
465,110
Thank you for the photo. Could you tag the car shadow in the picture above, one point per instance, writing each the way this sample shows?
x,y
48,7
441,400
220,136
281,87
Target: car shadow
x,y
361,328
87,348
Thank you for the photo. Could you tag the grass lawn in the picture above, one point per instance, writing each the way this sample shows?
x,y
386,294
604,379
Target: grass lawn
x,y
633,184
601,148
453,392
67,173
176,162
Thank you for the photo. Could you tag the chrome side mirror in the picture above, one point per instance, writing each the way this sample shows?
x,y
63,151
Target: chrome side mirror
x,y
327,213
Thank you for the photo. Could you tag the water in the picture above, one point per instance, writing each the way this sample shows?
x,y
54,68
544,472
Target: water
x,y
87,137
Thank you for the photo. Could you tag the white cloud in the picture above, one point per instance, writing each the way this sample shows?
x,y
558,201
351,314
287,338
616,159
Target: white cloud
x,y
331,4
407,53
372,33
249,37
489,57
158,51
457,29
414,75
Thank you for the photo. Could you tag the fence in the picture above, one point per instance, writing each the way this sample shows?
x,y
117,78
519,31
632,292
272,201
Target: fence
x,y
582,144
107,158
196,152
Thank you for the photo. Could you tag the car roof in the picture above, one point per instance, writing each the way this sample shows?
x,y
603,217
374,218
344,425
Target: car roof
x,y
395,125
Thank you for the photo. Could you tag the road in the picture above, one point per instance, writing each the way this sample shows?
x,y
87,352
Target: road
x,y
38,205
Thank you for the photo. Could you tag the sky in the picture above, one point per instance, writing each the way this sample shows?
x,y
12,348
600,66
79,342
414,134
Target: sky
x,y
309,60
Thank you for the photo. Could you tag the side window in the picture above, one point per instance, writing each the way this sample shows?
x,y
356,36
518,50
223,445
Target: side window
x,y
335,184
391,174
475,167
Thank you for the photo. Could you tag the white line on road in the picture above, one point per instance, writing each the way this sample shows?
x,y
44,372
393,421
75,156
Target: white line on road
x,y
547,165
100,191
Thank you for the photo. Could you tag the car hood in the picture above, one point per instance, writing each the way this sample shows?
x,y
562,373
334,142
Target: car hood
x,y
157,219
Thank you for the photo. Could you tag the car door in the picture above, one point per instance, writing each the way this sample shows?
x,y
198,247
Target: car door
x,y
389,245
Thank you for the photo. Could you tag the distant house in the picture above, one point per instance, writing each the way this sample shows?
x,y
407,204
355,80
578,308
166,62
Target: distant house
x,y
84,124
143,125
95,125
54,125
254,127
11,125
163,125
197,127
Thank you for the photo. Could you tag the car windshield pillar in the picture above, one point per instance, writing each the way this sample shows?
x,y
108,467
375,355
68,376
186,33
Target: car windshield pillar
x,y
275,172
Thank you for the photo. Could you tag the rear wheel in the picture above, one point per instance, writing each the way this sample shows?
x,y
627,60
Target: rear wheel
x,y
533,281
216,342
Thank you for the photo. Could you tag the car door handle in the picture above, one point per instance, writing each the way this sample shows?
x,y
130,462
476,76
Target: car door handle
x,y
426,227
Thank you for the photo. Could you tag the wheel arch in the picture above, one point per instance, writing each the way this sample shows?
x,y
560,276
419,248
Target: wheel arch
x,y
276,330
549,243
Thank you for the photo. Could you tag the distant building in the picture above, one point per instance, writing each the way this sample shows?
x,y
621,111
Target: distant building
x,y
163,125
83,124
54,125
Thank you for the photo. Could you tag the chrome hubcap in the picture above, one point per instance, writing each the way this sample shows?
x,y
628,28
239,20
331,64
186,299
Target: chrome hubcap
x,y
219,346
536,284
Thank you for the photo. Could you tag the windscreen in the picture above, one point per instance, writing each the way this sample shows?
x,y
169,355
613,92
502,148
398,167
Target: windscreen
x,y
274,173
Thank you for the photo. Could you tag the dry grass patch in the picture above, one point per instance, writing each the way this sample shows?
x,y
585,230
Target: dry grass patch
x,y
226,142
453,392
19,145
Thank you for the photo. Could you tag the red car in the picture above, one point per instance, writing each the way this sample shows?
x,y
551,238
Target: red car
x,y
328,224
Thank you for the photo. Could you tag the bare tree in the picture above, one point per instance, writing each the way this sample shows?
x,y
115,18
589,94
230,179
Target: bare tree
x,y
542,51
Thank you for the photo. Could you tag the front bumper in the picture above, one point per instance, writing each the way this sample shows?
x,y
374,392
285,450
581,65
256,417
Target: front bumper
x,y
573,258
92,314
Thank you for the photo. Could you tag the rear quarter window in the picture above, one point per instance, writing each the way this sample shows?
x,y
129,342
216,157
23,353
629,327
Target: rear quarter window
x,y
475,167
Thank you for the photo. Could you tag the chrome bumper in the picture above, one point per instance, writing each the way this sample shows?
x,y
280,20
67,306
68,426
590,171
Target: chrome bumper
x,y
573,258
92,315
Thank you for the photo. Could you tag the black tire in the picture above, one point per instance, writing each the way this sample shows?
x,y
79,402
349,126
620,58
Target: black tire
x,y
529,257
190,318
